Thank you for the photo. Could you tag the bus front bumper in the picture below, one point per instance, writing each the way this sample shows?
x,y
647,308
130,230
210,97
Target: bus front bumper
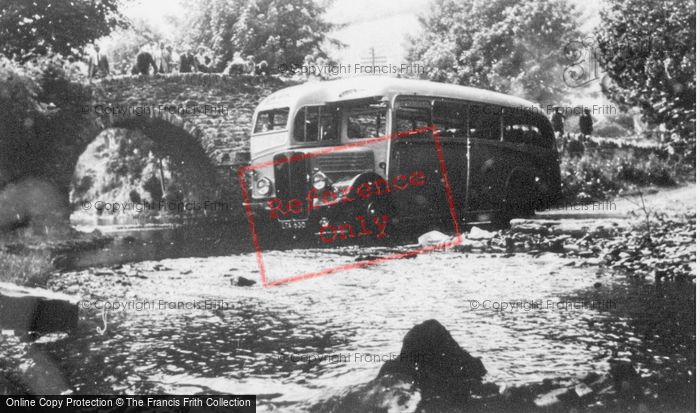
x,y
319,216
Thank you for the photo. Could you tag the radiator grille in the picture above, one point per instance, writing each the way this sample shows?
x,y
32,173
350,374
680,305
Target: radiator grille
x,y
291,181
345,162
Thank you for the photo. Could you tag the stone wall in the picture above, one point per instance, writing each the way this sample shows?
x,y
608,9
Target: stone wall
x,y
215,109
183,112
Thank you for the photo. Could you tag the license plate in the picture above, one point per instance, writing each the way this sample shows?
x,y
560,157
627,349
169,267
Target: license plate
x,y
293,224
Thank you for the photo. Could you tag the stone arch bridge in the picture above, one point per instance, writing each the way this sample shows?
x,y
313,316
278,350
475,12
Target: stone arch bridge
x,y
205,115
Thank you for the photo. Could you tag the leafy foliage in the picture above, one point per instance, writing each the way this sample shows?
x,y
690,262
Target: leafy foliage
x,y
39,117
38,26
27,269
506,45
647,49
279,31
605,170
123,44
153,187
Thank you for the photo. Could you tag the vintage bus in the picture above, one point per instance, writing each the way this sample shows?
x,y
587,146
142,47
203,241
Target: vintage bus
x,y
499,151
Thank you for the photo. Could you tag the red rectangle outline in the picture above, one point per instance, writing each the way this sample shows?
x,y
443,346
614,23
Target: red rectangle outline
x,y
361,264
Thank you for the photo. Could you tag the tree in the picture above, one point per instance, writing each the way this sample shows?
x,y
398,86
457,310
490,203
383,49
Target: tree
x,y
153,187
123,44
37,26
647,49
510,46
39,124
278,31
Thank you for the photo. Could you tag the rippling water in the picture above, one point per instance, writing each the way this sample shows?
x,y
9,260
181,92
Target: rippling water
x,y
304,341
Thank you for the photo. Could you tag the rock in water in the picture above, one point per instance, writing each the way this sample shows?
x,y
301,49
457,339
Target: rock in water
x,y
436,364
36,310
244,282
477,233
431,374
383,394
432,238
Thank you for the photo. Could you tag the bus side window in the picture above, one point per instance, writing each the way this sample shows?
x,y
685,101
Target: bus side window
x,y
533,136
329,123
300,125
271,120
408,119
545,136
312,118
451,119
485,122
517,127
316,123
366,125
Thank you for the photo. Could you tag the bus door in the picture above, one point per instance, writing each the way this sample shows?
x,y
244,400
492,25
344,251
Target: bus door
x,y
486,172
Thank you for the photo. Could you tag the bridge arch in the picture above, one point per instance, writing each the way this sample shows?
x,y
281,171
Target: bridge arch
x,y
201,120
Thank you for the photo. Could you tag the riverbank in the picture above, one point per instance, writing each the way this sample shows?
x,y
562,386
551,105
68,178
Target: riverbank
x,y
29,260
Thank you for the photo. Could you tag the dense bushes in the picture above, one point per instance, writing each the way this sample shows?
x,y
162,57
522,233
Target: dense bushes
x,y
39,116
25,269
606,169
647,49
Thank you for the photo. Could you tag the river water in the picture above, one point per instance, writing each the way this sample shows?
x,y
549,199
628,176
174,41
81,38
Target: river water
x,y
301,342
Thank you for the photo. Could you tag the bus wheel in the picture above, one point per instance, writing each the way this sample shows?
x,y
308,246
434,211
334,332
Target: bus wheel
x,y
519,201
380,210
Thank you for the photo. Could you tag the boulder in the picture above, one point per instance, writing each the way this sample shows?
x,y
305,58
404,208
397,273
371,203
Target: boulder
x,y
244,282
438,366
432,238
432,373
477,233
550,399
36,310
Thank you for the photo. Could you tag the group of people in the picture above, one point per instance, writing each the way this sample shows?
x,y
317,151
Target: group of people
x,y
585,123
160,58
573,145
240,66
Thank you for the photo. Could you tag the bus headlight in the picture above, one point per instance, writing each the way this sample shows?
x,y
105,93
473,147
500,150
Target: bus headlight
x,y
320,181
263,187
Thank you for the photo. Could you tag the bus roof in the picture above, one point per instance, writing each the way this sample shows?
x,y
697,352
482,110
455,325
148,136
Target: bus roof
x,y
315,93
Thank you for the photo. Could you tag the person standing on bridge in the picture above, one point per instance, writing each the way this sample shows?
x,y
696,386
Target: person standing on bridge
x,y
98,64
188,63
202,60
237,66
558,123
585,123
144,62
164,57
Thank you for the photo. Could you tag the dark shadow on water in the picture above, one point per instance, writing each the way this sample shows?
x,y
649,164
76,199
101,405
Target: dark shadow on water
x,y
209,239
653,326
141,349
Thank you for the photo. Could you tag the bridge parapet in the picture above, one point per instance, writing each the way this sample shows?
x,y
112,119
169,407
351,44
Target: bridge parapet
x,y
215,109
